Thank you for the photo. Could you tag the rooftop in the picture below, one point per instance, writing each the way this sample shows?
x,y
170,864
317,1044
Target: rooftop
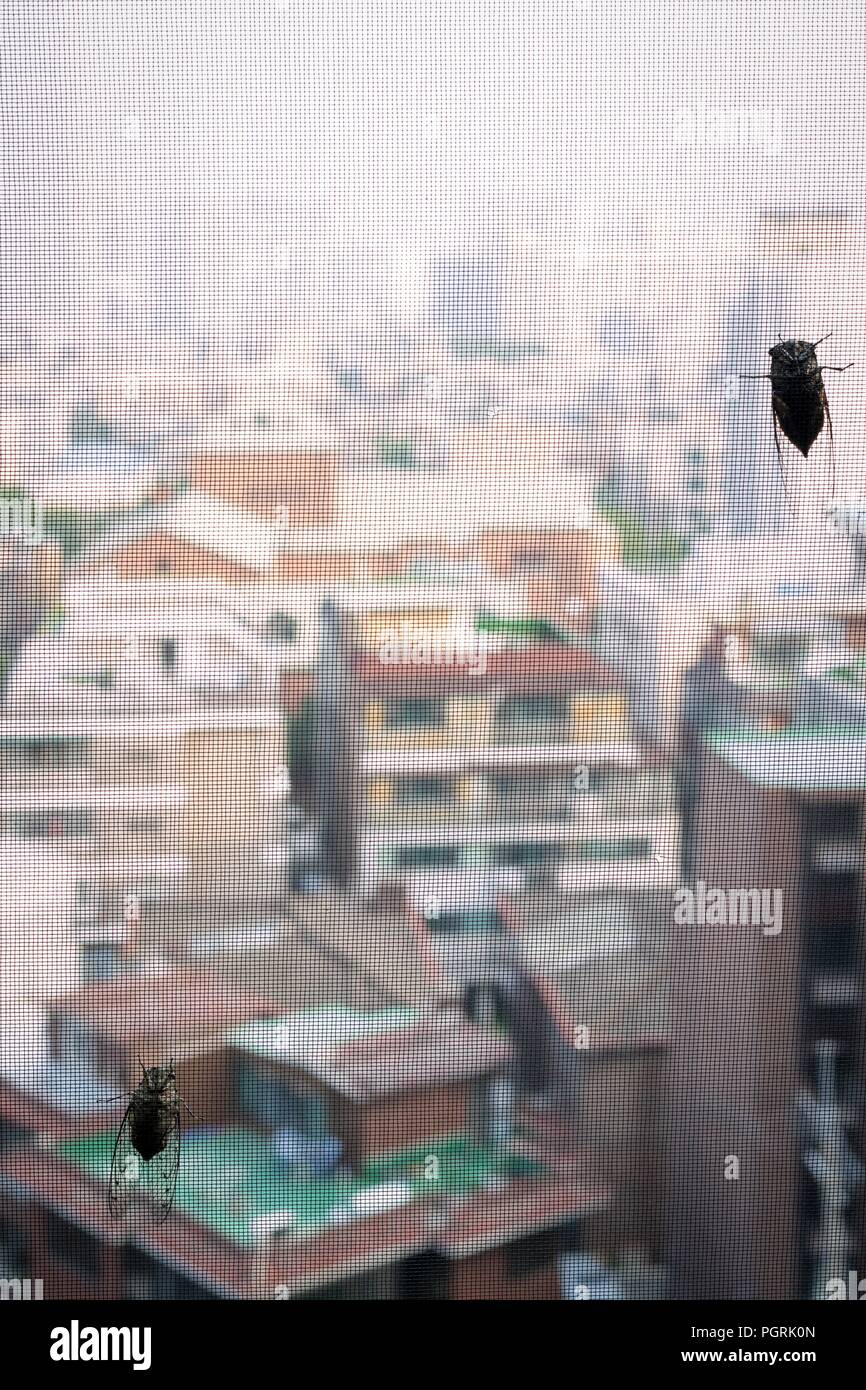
x,y
798,759
200,520
363,1055
460,1219
152,1014
232,1183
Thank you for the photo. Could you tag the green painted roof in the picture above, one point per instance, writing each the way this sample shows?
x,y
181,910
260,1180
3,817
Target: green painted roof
x,y
852,674
797,759
230,1180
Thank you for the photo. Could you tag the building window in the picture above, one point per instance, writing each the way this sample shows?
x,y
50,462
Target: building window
x,y
416,714
599,781
529,854
424,857
281,627
411,790
599,850
465,922
831,914
100,960
51,824
533,795
76,1050
43,753
525,710
151,826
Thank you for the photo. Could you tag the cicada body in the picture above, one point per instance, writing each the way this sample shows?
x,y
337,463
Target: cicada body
x,y
798,396
147,1150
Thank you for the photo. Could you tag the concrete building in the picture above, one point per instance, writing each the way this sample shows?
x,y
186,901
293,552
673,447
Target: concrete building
x,y
765,1142
164,815
455,762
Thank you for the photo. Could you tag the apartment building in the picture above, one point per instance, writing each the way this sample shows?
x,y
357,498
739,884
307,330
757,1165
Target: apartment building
x,y
157,643
767,1058
169,814
144,732
490,753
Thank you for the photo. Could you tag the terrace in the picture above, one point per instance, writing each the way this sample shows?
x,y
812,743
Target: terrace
x,y
233,1184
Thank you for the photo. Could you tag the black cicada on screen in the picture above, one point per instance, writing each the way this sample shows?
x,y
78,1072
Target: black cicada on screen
x,y
799,401
147,1151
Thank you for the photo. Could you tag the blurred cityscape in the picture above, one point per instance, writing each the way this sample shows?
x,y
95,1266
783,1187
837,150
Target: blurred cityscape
x,y
427,722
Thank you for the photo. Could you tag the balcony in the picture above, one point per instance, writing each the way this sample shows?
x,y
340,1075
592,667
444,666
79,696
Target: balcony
x,y
523,733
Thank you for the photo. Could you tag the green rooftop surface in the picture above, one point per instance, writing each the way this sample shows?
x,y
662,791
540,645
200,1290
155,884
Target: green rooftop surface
x,y
853,673
534,629
230,1180
811,758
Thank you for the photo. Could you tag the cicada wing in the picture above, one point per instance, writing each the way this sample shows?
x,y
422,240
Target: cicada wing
x,y
786,464
817,478
831,447
162,1170
153,1181
809,483
126,1167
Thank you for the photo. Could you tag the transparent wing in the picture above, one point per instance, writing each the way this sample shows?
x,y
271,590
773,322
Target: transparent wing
x,y
160,1176
154,1180
831,448
787,465
125,1166
809,483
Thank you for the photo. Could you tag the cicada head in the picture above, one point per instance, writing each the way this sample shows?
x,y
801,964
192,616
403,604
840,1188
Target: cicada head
x,y
159,1078
794,357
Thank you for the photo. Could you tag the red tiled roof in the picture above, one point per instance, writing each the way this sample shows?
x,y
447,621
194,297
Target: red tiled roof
x,y
63,1186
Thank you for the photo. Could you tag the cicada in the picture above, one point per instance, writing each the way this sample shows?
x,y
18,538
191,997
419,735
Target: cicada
x,y
146,1156
799,400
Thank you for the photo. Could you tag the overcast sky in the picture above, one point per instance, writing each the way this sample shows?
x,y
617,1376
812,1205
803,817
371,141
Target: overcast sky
x,y
424,112
133,132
